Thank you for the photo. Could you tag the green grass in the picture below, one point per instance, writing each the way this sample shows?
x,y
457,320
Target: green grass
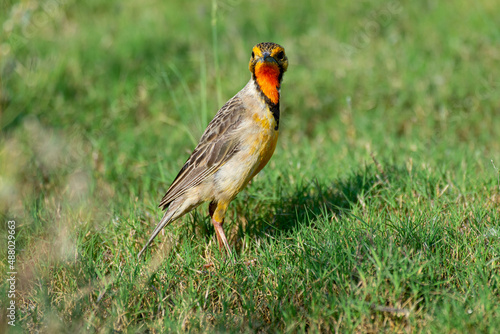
x,y
379,211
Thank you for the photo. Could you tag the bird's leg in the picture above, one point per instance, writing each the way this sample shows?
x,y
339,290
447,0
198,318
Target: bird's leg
x,y
221,237
217,212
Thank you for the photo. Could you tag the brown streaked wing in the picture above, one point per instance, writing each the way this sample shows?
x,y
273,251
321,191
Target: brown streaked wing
x,y
216,146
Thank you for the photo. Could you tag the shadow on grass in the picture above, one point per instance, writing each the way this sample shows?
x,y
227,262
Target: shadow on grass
x,y
301,205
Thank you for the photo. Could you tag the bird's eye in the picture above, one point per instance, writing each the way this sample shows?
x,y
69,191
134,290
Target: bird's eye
x,y
280,55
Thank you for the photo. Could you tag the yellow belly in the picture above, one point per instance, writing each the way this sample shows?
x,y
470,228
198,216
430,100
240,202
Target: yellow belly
x,y
266,150
258,145
265,142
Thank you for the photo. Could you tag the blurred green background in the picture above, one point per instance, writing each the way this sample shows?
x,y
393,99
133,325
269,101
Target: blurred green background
x,y
101,103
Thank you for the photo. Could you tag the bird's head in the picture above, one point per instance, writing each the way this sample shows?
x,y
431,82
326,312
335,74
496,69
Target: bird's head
x,y
267,65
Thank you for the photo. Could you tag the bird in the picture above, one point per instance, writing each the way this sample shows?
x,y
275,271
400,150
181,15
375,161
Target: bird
x,y
236,145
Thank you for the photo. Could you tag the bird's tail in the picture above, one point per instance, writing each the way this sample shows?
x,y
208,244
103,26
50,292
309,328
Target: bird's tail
x,y
168,217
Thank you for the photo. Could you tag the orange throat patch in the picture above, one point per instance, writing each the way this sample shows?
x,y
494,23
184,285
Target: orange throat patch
x,y
267,76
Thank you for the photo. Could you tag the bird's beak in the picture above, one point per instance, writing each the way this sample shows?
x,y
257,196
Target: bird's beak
x,y
266,58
